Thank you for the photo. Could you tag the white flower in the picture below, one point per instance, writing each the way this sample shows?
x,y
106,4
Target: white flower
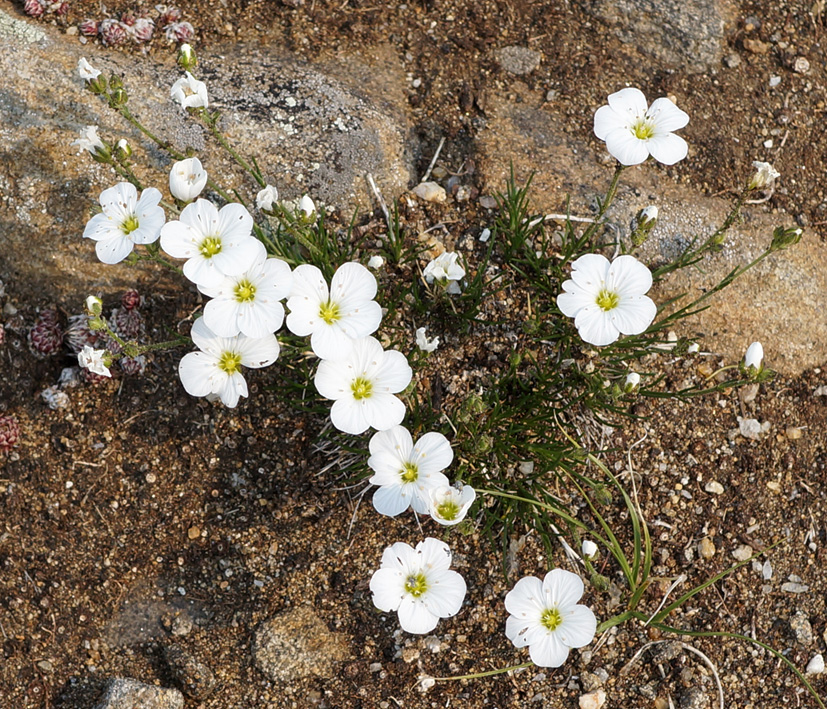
x,y
333,317
376,262
90,140
216,368
607,299
86,70
249,303
186,179
363,385
307,206
266,197
93,360
765,175
545,616
633,132
589,549
694,348
407,472
648,214
425,343
449,505
418,584
216,243
445,269
190,92
632,382
754,356
125,221
94,304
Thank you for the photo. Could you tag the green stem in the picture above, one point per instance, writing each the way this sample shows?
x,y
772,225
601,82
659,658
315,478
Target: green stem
x,y
210,121
604,206
490,673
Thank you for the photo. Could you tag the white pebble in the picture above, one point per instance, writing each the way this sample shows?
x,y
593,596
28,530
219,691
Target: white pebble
x,y
816,665
430,192
593,700
774,81
714,487
485,235
743,552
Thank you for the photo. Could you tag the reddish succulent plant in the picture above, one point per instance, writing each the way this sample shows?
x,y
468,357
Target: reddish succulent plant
x,y
46,335
9,433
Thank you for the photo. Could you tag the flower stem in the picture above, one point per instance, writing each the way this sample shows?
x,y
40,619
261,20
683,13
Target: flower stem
x,y
604,205
211,121
490,673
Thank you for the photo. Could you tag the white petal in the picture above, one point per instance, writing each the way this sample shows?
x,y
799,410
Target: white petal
x,y
434,554
114,250
221,315
446,591
548,651
629,101
666,116
234,223
627,275
179,240
525,600
388,588
633,315
196,371
352,281
385,410
236,256
351,416
233,388
258,352
628,149
414,616
395,373
578,627
333,379
590,271
595,326
432,453
329,342
563,588
391,500
606,119
574,300
667,149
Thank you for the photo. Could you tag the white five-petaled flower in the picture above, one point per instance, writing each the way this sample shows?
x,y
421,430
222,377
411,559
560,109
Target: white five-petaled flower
x,y
90,140
607,299
266,198
445,269
418,584
450,504
754,356
406,472
765,175
190,92
633,131
93,360
125,221
186,179
86,71
216,368
336,316
363,385
249,303
215,243
545,616
425,343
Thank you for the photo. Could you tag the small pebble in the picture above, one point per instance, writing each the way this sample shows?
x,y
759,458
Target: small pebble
x,y
193,532
816,665
774,81
430,192
732,60
714,487
593,700
801,65
706,548
802,628
794,587
488,202
766,570
518,60
485,235
463,193
793,433
743,552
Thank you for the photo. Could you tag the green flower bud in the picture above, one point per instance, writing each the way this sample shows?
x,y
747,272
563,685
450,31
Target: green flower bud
x,y
186,58
782,238
643,224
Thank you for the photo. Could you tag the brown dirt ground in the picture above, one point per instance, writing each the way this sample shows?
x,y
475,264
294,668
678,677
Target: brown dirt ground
x,y
88,572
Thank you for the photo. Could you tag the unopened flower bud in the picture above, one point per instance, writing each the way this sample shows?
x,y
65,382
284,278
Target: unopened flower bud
x,y
307,206
754,357
602,495
765,175
632,383
643,224
601,583
122,149
94,305
782,238
589,549
97,323
186,58
266,198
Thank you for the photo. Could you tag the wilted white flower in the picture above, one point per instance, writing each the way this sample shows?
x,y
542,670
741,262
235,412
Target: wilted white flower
x,y
765,175
589,549
406,472
190,92
249,303
450,504
90,140
425,343
307,206
362,386
445,269
336,316
633,131
186,179
94,360
648,214
754,357
376,262
217,243
94,305
418,584
125,221
545,616
216,368
86,71
266,198
694,348
607,299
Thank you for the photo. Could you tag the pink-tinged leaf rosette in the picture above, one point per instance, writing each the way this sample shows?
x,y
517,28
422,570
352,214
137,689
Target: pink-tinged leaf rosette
x,y
634,130
418,584
215,243
362,386
608,299
126,220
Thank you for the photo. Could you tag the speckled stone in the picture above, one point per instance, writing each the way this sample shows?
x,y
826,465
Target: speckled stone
x,y
123,693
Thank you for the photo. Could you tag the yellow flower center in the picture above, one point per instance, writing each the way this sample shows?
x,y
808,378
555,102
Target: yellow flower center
x,y
551,618
606,300
416,585
329,312
210,246
130,224
448,510
409,472
245,291
643,129
230,362
361,388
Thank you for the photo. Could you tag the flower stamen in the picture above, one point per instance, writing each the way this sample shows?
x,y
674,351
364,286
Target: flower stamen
x,y
329,312
130,224
409,472
643,129
607,300
416,585
210,246
230,362
448,510
362,388
244,291
551,619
